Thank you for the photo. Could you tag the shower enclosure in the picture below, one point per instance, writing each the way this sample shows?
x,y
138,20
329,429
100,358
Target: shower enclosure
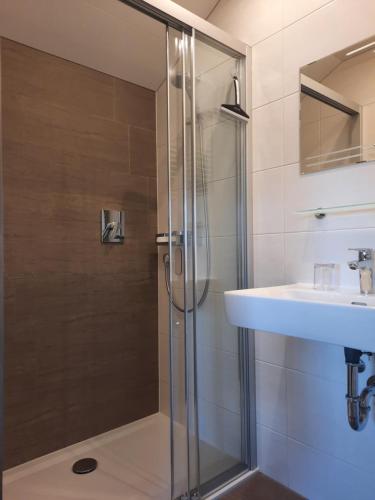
x,y
116,260
210,383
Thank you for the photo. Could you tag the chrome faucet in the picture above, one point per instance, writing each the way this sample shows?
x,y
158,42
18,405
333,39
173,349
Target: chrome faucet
x,y
365,266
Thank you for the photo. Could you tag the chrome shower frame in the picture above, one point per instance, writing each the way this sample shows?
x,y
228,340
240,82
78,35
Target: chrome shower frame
x,y
245,338
182,20
2,327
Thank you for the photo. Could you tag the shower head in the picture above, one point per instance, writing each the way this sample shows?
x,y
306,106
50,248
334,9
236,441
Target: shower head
x,y
235,110
177,80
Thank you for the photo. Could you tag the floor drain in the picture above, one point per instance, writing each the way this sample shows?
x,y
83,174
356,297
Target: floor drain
x,y
84,466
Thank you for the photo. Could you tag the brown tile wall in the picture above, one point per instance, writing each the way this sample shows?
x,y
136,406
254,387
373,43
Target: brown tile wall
x,y
80,317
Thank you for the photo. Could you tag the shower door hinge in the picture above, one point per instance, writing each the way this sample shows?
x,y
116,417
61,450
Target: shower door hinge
x,y
194,495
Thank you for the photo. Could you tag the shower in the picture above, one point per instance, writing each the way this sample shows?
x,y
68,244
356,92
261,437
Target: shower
x,y
114,347
234,111
177,238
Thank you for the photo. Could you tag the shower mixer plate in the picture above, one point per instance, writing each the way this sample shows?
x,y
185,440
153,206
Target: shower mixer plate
x,y
112,226
163,238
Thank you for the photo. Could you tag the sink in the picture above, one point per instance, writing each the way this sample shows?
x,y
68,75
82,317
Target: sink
x,y
343,317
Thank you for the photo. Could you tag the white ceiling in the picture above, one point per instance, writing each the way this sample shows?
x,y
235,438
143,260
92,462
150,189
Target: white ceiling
x,y
201,8
102,34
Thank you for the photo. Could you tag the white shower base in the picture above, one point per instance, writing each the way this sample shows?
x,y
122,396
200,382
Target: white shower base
x,y
133,464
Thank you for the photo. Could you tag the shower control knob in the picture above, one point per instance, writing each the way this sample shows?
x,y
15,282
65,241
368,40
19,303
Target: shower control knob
x,y
371,381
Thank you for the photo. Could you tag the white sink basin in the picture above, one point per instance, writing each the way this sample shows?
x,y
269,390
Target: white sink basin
x,y
342,317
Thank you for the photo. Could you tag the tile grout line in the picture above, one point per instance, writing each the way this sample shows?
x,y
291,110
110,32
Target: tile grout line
x,y
300,372
292,23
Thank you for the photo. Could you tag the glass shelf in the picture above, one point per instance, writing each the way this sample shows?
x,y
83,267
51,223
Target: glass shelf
x,y
321,212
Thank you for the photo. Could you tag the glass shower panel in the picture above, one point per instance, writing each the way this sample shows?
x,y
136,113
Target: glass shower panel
x,y
219,265
208,379
181,264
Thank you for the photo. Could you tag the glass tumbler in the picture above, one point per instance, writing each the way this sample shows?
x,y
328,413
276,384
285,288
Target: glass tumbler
x,y
325,276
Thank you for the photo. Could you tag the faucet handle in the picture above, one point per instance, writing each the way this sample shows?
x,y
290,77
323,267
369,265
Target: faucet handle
x,y
363,253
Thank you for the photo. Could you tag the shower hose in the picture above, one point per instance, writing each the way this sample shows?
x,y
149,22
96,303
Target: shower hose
x,y
166,259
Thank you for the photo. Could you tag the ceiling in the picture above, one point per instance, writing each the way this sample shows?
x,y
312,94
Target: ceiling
x,y
201,8
102,34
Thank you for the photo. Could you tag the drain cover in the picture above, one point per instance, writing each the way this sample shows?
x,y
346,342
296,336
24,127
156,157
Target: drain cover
x,y
84,466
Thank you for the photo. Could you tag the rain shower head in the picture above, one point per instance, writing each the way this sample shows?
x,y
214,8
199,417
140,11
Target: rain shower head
x,y
235,110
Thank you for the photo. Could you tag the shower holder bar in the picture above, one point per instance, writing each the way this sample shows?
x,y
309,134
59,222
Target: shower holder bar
x,y
162,239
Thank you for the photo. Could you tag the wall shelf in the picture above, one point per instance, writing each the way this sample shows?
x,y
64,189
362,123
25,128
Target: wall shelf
x,y
321,212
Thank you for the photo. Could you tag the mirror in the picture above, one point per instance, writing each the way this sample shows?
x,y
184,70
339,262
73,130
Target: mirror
x,y
337,109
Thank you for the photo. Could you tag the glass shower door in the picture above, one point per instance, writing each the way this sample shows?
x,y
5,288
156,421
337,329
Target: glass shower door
x,y
181,265
209,359
222,350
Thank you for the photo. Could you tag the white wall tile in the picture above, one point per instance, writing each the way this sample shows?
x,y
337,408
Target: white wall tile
x,y
222,221
297,50
271,396
213,88
269,260
317,417
319,476
271,347
267,81
249,21
291,128
316,358
337,463
268,136
220,150
347,185
294,10
303,250
218,377
213,329
220,427
208,58
312,37
223,274
272,454
268,201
